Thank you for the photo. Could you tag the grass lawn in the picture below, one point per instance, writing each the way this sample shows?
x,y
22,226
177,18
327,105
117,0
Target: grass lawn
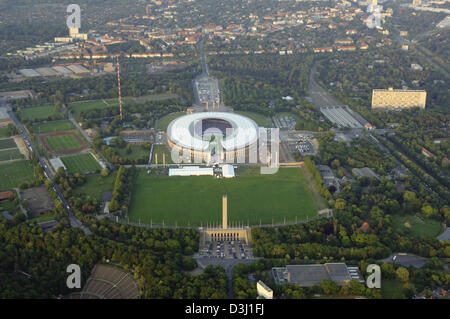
x,y
96,184
82,106
81,163
62,142
56,126
164,122
251,197
148,98
7,143
260,119
12,154
137,152
11,175
39,113
420,227
160,150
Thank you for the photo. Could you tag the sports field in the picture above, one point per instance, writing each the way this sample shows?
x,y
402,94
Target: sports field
x,y
56,126
39,113
81,163
11,175
66,141
194,200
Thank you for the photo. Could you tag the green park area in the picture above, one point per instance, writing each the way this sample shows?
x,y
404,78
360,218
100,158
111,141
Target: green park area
x,y
196,200
13,174
138,153
416,226
95,184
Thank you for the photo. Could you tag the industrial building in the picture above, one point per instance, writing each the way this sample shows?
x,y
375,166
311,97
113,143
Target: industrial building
x,y
398,99
310,275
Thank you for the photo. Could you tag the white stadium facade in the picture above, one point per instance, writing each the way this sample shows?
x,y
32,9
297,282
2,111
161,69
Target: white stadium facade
x,y
213,136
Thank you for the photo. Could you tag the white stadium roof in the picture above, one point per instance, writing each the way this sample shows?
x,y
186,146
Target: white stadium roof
x,y
181,131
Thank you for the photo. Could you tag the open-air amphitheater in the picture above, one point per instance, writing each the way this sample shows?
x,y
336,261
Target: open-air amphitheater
x,y
108,282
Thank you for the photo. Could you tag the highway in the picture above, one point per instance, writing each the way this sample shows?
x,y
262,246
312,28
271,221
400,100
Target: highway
x,y
74,222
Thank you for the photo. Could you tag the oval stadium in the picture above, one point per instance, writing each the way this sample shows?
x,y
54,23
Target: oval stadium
x,y
199,132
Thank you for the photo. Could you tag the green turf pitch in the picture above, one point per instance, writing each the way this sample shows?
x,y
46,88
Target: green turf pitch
x,y
11,175
57,126
81,163
198,199
62,142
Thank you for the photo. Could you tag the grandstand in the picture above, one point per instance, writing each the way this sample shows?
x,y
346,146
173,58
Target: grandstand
x,y
108,282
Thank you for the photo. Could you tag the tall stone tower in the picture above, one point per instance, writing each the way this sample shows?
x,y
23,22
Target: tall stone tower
x,y
224,211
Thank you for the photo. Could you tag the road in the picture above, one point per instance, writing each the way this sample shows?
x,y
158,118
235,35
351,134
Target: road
x,y
319,96
74,222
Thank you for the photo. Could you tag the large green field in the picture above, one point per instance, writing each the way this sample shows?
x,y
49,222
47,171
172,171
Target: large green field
x,y
62,142
39,113
81,163
418,227
11,175
252,198
56,126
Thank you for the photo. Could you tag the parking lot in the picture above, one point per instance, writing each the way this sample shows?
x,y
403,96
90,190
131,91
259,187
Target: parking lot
x,y
226,249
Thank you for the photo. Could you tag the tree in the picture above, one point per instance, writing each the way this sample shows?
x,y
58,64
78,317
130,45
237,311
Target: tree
x,y
402,274
104,172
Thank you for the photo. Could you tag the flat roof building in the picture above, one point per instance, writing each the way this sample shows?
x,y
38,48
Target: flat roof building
x,y
310,275
398,99
191,171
